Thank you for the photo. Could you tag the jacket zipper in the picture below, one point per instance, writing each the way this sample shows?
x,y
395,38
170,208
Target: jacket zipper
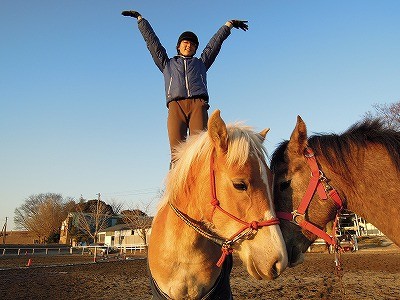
x,y
202,80
186,78
169,87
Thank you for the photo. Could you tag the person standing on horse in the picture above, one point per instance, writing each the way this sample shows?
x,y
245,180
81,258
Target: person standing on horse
x,y
185,76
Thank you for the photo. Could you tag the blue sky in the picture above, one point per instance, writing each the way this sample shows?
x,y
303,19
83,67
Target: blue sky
x,y
82,107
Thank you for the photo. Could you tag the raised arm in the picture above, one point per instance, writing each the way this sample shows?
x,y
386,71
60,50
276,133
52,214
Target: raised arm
x,y
213,47
157,51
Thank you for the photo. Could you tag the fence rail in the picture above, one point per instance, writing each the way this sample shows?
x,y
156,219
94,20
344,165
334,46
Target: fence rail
x,y
132,248
33,251
105,250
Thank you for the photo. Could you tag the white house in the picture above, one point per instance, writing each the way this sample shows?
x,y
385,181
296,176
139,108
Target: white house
x,y
122,235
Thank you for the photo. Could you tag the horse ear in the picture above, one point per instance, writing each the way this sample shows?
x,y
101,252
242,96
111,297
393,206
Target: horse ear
x,y
217,132
298,139
263,133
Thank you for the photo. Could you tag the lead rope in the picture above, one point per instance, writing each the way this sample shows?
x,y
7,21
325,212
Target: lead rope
x,y
216,240
339,272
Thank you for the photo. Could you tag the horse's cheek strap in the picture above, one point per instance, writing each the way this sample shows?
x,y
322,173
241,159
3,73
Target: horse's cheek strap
x,y
214,200
308,195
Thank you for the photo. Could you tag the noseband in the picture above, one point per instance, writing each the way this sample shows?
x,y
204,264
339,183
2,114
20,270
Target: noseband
x,y
318,182
245,232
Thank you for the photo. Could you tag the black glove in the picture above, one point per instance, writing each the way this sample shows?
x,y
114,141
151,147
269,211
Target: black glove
x,y
240,24
130,13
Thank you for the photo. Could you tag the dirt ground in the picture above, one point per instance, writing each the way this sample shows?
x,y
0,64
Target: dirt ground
x,y
371,273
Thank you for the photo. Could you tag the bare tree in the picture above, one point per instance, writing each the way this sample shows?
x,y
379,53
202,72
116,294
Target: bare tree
x,y
388,113
138,220
116,206
43,214
92,217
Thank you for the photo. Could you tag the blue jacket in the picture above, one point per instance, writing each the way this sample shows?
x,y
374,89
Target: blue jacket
x,y
184,77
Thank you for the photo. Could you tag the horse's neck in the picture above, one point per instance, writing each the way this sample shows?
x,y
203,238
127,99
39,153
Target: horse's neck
x,y
181,262
372,193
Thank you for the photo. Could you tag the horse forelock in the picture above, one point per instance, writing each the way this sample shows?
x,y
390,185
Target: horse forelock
x,y
243,141
197,150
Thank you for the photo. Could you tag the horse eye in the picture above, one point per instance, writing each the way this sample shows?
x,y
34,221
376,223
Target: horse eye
x,y
284,185
241,186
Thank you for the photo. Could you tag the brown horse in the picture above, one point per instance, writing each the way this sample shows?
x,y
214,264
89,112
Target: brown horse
x,y
218,197
314,177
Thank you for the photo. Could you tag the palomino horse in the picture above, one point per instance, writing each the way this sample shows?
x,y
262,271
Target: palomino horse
x,y
217,198
316,177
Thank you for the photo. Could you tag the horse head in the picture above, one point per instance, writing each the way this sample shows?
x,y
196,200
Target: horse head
x,y
241,194
291,168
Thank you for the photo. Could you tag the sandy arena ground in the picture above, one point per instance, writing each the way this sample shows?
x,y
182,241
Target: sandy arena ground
x,y
371,273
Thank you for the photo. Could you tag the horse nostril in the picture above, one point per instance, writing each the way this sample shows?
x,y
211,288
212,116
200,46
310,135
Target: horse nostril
x,y
277,268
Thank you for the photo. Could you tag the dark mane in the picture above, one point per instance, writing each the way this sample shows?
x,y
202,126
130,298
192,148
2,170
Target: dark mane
x,y
339,149
278,155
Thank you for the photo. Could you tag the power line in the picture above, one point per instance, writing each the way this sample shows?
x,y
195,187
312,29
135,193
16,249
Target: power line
x,y
146,191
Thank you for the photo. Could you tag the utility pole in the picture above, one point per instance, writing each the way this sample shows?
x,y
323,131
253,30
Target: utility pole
x,y
97,216
96,227
98,201
4,231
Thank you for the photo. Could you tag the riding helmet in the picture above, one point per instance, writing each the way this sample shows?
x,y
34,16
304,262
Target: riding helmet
x,y
188,36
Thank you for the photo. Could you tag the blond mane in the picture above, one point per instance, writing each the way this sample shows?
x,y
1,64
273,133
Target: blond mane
x,y
242,141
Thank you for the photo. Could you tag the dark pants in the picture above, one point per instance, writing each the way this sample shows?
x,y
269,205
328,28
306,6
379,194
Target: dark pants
x,y
184,115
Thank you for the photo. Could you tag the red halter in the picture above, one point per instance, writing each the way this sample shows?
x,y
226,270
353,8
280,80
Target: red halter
x,y
242,233
318,182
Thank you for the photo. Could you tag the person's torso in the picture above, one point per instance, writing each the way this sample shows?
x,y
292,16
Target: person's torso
x,y
185,77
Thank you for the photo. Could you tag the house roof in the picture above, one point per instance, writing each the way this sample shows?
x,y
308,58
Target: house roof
x,y
117,227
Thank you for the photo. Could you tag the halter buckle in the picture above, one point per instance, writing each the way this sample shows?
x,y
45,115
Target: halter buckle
x,y
227,245
327,186
308,152
295,215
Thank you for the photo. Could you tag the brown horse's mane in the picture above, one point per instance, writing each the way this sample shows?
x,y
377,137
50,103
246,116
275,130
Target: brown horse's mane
x,y
339,149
